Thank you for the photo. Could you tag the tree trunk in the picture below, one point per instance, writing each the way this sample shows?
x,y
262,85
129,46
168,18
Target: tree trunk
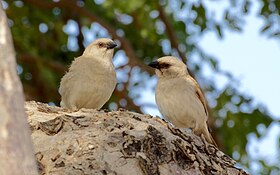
x,y
16,151
118,142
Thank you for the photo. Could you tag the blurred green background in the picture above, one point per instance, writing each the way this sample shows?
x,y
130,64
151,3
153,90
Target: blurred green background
x,y
49,34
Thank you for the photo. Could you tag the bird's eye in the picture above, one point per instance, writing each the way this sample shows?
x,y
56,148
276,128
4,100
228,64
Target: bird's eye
x,y
101,44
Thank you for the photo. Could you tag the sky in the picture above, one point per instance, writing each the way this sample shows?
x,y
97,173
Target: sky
x,y
253,59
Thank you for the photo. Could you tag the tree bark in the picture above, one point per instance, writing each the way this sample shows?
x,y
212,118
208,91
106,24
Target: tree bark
x,y
16,151
118,143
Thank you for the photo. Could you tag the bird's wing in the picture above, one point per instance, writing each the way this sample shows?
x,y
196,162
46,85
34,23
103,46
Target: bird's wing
x,y
199,95
72,78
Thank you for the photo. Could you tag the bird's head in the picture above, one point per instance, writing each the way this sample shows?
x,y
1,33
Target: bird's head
x,y
101,48
169,67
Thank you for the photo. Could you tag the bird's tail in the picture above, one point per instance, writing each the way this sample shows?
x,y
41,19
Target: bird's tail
x,y
212,140
208,136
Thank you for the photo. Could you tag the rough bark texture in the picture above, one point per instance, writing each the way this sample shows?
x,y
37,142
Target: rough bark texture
x,y
16,153
118,142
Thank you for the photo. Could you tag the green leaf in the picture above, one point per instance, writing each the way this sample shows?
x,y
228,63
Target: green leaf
x,y
266,27
219,30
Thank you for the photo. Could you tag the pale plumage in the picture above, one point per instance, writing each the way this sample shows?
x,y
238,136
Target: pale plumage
x,y
179,97
91,78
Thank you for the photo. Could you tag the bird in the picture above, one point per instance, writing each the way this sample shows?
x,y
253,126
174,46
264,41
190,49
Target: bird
x,y
91,78
179,97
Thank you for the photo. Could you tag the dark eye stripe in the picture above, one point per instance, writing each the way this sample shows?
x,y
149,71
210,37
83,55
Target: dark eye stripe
x,y
164,65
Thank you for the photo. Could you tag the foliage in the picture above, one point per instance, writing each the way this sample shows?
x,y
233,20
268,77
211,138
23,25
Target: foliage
x,y
49,34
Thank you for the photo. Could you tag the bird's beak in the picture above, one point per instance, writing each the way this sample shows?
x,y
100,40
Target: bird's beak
x,y
154,64
111,45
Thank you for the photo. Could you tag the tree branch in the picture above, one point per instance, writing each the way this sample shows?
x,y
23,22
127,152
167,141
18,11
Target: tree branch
x,y
119,142
130,103
16,148
170,32
53,65
70,5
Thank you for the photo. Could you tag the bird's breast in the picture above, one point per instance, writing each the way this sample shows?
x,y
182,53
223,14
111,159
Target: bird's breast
x,y
178,103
